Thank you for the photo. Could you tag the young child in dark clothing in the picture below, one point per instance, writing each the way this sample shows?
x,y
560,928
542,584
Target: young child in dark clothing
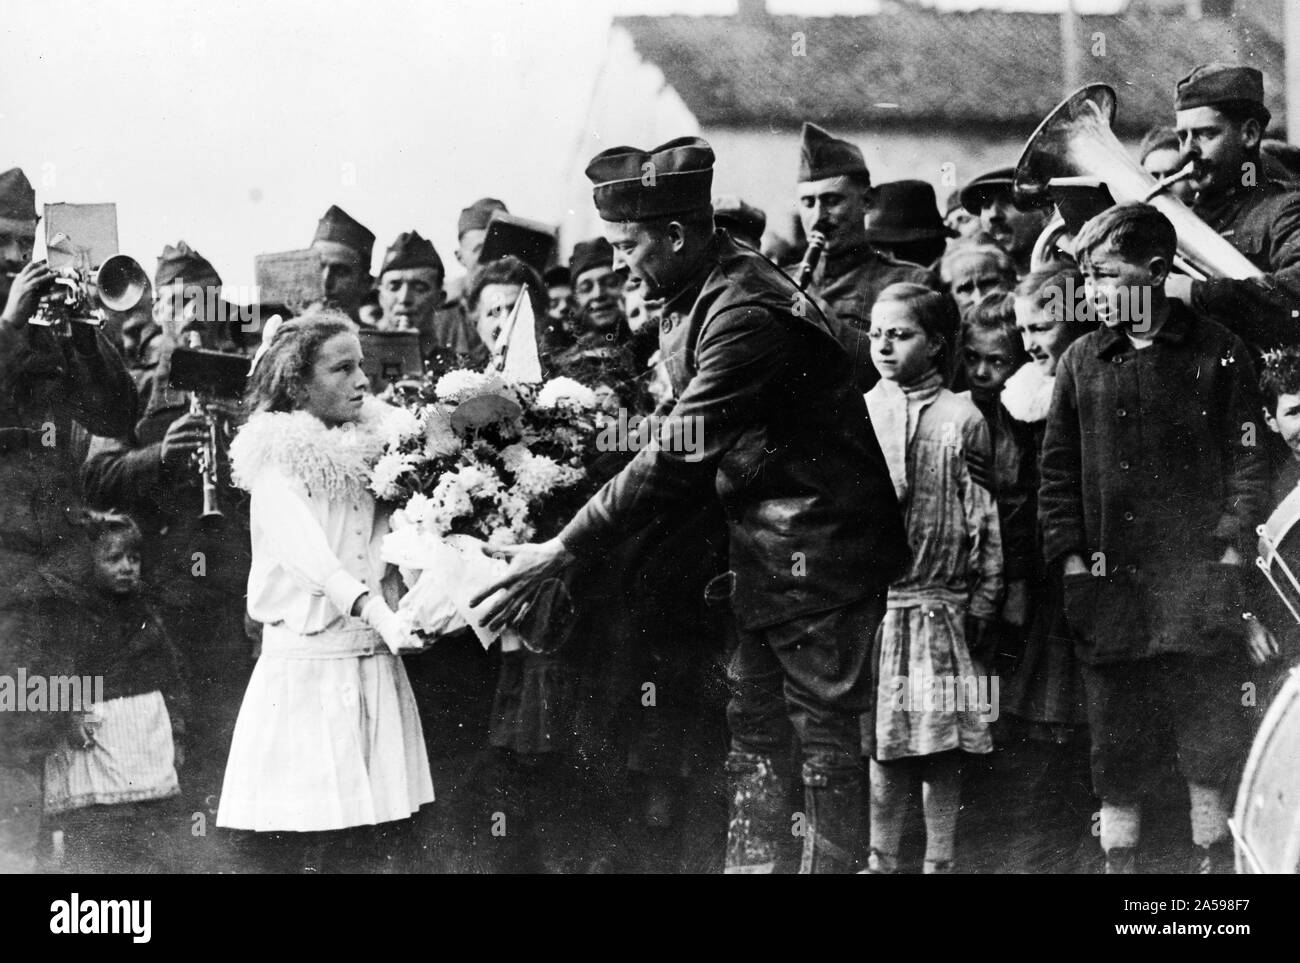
x,y
122,746
1150,495
991,351
1275,633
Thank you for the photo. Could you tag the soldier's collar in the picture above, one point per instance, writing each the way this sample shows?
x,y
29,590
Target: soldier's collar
x,y
860,252
1239,192
684,299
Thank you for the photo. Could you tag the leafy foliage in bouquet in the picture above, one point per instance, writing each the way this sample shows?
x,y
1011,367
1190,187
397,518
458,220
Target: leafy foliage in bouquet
x,y
472,454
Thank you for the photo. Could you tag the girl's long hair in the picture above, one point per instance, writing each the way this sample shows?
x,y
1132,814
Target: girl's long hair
x,y
276,382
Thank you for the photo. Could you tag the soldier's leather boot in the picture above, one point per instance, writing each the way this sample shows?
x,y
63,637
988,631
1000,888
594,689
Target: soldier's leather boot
x,y
757,816
833,828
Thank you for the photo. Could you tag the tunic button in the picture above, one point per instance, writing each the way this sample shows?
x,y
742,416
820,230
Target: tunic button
x,y
1123,465
1121,412
1132,569
1128,516
1119,360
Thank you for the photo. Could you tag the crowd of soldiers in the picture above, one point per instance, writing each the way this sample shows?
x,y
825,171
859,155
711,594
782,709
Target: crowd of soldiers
x,y
696,594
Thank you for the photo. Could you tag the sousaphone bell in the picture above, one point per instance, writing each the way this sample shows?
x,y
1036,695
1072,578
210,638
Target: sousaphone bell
x,y
1076,141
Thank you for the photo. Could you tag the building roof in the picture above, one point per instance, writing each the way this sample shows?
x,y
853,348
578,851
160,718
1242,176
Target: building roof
x,y
988,69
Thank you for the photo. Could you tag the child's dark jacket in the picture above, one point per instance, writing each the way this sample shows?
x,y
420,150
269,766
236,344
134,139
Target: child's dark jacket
x,y
1153,464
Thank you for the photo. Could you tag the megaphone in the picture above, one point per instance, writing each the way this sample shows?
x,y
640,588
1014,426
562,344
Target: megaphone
x,y
1076,140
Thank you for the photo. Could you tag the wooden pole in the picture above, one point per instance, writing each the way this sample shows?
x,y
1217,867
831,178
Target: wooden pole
x,y
1071,72
1291,43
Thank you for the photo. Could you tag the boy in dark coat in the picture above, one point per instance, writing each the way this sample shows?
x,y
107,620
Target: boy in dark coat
x,y
1152,484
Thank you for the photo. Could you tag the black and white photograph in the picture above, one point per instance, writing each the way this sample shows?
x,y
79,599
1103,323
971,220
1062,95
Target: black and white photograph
x,y
651,437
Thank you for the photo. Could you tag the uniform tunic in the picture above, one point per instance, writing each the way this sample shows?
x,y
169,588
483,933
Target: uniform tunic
x,y
846,284
1263,223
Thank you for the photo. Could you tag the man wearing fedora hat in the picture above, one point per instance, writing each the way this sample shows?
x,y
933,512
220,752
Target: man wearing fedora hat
x,y
814,530
1220,120
905,223
834,195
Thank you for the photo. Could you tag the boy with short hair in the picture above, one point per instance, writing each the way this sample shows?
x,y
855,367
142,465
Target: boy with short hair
x,y
1275,636
1152,484
1279,387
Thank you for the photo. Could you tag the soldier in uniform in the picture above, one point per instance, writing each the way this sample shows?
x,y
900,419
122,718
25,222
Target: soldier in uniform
x,y
47,383
410,290
345,246
989,198
1220,120
597,291
198,571
814,530
138,336
834,193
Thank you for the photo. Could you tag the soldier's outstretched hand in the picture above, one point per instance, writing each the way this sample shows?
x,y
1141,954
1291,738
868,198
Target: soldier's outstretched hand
x,y
530,565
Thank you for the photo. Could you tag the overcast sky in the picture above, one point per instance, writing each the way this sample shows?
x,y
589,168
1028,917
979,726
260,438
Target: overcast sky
x,y
234,124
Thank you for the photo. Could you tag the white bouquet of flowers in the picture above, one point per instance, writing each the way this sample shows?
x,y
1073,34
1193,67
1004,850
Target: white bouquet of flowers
x,y
478,462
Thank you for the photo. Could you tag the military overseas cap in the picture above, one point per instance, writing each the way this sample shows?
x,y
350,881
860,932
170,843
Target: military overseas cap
x,y
182,263
1212,84
638,185
476,216
822,156
411,251
993,182
595,253
732,213
906,211
340,227
17,199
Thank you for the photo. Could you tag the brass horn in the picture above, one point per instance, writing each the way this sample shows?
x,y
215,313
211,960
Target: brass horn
x,y
121,282
1076,139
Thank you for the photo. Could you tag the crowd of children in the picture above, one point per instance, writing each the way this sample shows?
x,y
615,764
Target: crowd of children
x,y
1128,478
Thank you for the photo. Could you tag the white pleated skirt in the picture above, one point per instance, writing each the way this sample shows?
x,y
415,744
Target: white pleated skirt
x,y
325,739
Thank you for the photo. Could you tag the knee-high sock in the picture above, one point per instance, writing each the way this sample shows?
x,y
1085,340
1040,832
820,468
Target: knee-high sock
x,y
940,797
1209,814
1121,824
890,784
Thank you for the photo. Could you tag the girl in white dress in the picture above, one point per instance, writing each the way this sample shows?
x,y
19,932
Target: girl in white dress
x,y
328,735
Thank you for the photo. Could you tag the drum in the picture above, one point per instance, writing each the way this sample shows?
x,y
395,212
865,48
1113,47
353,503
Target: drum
x,y
1266,822
1279,540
